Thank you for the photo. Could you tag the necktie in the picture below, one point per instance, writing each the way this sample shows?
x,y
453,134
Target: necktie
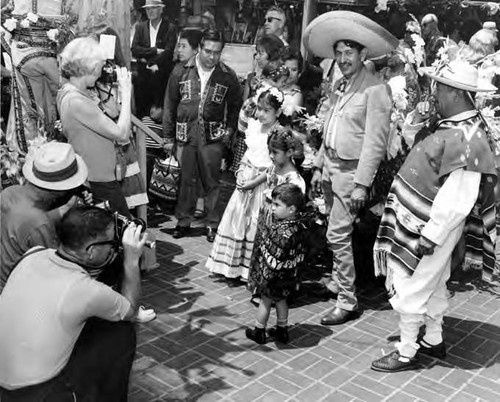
x,y
342,86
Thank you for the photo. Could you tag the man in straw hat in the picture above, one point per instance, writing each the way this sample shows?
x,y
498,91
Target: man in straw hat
x,y
52,175
153,47
445,185
354,139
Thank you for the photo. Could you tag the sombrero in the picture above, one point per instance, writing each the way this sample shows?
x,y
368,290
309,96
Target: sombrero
x,y
55,166
461,75
333,26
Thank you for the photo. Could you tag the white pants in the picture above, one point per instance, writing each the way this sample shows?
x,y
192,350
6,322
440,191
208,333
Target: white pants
x,y
421,297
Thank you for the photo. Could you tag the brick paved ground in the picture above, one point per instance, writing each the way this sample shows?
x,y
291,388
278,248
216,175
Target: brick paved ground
x,y
196,349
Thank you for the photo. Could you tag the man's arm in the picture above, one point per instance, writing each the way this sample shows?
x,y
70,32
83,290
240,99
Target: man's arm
x,y
378,117
133,245
170,104
234,101
447,212
139,50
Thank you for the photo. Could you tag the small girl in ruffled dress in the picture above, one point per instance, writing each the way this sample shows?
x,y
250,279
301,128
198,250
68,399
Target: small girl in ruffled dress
x,y
282,146
232,248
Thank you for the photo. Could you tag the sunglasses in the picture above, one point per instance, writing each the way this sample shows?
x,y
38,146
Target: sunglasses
x,y
270,19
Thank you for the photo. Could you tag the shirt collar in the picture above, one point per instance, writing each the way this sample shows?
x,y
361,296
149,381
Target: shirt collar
x,y
462,116
197,63
153,28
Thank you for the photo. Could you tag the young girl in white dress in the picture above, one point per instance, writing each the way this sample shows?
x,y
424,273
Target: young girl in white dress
x,y
233,245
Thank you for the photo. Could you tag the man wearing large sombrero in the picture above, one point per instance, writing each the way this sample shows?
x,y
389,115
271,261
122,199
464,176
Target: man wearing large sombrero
x,y
354,139
444,188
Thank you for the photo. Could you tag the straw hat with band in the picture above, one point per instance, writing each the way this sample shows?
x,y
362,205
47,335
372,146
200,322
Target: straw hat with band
x,y
153,3
329,28
459,74
55,166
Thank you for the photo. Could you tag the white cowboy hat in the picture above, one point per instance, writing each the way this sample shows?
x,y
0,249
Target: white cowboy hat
x,y
461,75
55,166
333,26
153,3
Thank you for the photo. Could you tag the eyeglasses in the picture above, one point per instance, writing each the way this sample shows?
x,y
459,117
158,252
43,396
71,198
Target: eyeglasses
x,y
270,19
114,243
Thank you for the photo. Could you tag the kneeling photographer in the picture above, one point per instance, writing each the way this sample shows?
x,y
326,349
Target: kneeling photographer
x,y
86,126
66,336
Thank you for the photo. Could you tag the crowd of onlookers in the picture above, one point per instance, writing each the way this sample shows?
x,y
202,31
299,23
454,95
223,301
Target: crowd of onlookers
x,y
378,131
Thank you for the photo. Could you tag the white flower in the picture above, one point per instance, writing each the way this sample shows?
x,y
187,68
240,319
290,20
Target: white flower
x,y
25,23
381,6
277,94
399,93
52,34
10,24
32,18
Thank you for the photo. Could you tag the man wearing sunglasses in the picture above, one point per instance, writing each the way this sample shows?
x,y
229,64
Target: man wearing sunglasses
x,y
274,23
65,336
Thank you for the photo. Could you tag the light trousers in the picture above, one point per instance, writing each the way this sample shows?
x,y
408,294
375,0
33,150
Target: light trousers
x,y
421,298
338,185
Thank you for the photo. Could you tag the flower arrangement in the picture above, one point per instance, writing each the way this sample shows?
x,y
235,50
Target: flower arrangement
x,y
58,28
313,126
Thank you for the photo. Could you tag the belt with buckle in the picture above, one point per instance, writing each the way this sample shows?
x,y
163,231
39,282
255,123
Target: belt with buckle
x,y
331,153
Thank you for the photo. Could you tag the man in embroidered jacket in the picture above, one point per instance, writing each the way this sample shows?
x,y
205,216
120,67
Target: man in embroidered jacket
x,y
445,187
355,140
201,108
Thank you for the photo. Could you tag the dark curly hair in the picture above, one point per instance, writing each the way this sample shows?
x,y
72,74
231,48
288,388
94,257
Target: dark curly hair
x,y
282,139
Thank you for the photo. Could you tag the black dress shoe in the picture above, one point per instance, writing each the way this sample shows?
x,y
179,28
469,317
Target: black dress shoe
x,y
339,316
257,335
438,351
279,333
211,234
180,231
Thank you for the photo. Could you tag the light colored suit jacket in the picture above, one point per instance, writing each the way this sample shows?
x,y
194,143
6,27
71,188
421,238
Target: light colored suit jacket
x,y
362,125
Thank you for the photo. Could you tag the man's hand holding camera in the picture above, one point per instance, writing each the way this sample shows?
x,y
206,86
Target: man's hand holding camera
x,y
133,242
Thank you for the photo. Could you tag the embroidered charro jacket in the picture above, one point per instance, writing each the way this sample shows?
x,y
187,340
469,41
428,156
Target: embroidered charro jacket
x,y
194,117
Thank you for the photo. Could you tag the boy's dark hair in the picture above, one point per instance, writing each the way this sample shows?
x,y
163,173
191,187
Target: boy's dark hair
x,y
282,139
351,43
290,194
193,36
211,35
291,54
272,45
82,224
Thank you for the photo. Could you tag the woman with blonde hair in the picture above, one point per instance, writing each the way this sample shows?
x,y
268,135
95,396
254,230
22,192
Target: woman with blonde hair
x,y
84,122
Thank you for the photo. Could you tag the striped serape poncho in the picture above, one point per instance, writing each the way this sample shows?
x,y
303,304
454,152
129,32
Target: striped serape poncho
x,y
457,143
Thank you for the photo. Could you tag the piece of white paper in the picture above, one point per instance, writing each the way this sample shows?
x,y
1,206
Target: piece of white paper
x,y
107,43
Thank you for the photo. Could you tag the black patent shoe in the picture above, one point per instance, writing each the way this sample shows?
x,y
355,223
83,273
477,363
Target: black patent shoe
x,y
258,335
211,234
437,351
180,231
279,333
